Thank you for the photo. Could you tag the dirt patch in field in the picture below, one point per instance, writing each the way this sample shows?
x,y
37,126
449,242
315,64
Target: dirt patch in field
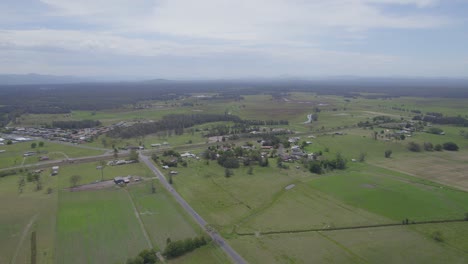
x,y
369,186
93,186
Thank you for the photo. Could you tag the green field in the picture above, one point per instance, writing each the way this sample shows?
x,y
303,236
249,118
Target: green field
x,y
13,155
97,226
21,214
262,219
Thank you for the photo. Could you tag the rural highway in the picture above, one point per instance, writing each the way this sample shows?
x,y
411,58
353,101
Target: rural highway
x,y
213,234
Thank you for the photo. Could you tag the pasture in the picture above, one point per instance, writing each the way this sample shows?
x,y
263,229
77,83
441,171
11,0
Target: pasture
x,y
13,155
23,213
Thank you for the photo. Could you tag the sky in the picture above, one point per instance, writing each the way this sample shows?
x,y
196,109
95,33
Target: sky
x,y
197,39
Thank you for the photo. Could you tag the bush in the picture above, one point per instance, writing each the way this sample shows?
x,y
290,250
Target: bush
x,y
428,146
450,146
388,153
437,236
438,147
435,131
413,146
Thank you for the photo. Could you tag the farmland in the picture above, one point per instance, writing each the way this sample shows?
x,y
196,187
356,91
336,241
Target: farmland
x,y
280,212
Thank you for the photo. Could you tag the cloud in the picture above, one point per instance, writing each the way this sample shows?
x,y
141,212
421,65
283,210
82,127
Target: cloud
x,y
188,37
244,19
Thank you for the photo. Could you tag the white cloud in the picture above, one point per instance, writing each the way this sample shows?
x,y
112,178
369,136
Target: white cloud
x,y
262,36
244,19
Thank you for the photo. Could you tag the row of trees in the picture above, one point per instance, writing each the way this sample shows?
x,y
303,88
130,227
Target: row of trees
x,y
428,146
178,248
76,124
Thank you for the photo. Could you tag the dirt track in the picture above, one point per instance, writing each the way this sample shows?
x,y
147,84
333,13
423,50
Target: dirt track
x,y
93,186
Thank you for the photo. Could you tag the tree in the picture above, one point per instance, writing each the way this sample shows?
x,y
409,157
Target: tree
x,y
250,171
438,147
315,167
153,189
74,180
170,178
33,145
388,153
437,236
41,144
133,155
450,146
228,173
413,146
102,165
21,184
428,146
340,162
362,156
148,256
116,153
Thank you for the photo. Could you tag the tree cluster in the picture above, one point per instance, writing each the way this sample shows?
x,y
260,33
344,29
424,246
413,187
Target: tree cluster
x,y
147,256
173,122
322,166
76,124
180,247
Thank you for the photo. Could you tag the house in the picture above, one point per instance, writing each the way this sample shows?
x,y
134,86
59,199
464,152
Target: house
x,y
187,155
165,167
173,172
156,145
293,139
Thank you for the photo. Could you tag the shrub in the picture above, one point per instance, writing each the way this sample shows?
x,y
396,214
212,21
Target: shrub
x,y
428,146
450,146
413,146
388,153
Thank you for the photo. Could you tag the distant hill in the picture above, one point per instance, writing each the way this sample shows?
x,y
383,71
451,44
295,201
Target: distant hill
x,y
22,79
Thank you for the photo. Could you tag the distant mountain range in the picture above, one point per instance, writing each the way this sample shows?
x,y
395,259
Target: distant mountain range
x,y
31,79
23,79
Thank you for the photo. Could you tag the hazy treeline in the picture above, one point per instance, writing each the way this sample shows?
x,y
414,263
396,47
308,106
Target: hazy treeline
x,y
76,124
61,98
175,122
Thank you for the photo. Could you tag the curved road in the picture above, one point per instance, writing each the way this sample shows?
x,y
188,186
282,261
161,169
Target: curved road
x,y
214,235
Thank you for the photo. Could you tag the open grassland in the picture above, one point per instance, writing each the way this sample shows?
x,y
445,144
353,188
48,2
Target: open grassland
x,y
107,117
209,254
303,207
454,235
224,202
375,245
162,217
98,227
393,195
21,214
295,248
13,155
446,167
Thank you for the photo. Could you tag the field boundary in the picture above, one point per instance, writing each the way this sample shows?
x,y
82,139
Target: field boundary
x,y
23,236
348,227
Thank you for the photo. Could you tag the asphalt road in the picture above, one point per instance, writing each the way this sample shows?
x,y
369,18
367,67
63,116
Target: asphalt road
x,y
214,235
